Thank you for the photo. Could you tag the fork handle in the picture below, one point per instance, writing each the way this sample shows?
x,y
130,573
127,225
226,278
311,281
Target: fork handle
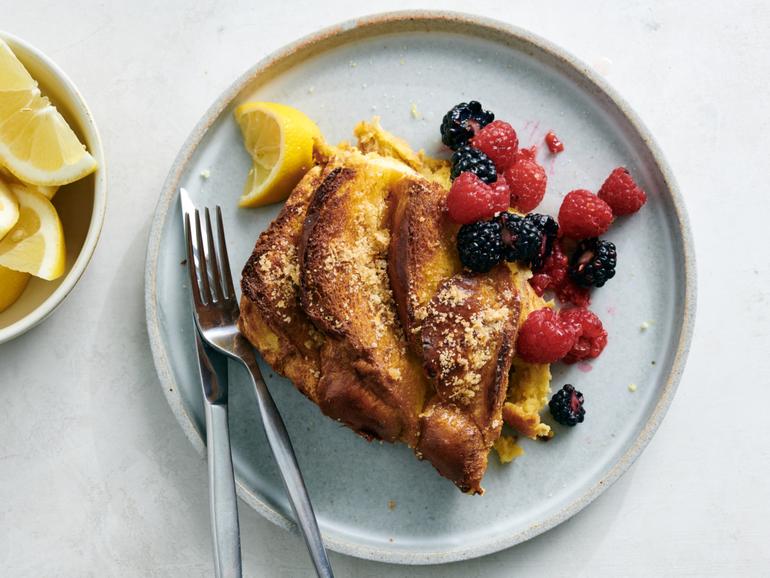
x,y
280,444
222,500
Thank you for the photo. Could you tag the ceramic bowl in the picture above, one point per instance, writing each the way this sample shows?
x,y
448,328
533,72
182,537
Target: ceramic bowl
x,y
80,205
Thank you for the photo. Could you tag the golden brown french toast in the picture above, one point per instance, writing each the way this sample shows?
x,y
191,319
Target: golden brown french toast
x,y
468,339
462,325
368,378
271,316
355,293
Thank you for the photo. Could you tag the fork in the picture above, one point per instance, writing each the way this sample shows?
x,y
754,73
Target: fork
x,y
216,314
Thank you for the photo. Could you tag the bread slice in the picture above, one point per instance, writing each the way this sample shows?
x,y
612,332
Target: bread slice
x,y
368,378
463,326
271,317
468,339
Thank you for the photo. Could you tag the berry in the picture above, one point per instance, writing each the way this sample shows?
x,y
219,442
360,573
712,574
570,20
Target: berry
x,y
461,123
467,159
569,292
553,142
583,214
480,245
549,230
566,406
522,239
621,193
593,263
543,338
553,275
501,188
592,338
499,142
527,182
528,154
471,199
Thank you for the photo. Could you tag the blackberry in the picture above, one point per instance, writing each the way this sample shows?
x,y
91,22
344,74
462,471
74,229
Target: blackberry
x,y
467,159
593,263
521,238
480,245
550,230
461,123
566,406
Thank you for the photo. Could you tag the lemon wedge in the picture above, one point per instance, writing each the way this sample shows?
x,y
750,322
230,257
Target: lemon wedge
x,y
280,140
36,143
36,243
12,285
47,191
9,210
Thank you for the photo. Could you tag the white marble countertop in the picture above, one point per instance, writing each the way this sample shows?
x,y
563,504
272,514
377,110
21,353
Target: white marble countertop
x,y
97,478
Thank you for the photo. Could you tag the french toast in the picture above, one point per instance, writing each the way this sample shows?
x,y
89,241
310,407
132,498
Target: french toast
x,y
462,325
368,378
271,317
356,294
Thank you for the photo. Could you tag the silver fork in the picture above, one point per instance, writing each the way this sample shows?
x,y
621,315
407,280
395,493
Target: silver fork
x,y
216,313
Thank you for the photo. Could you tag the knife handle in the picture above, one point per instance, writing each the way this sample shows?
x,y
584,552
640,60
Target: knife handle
x,y
280,444
222,498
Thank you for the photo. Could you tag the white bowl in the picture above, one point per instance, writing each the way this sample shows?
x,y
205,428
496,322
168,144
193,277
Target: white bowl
x,y
81,205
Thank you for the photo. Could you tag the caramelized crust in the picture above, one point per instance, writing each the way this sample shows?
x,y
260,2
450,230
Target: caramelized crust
x,y
271,315
468,340
420,254
368,378
356,294
463,326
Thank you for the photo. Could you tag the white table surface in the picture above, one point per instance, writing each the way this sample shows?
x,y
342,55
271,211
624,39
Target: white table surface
x,y
97,478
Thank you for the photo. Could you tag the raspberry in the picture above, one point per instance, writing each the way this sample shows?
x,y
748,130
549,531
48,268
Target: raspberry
x,y
471,199
553,142
501,188
471,160
566,406
480,245
528,154
583,214
621,193
462,121
499,142
543,338
553,272
527,182
569,292
553,276
591,336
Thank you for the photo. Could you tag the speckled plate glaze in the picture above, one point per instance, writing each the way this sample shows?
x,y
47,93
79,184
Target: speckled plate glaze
x,y
374,500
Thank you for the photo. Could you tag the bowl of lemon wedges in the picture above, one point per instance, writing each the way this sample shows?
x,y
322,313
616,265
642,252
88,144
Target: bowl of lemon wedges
x,y
52,186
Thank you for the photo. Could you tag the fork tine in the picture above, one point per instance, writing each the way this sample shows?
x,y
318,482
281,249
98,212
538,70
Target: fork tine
x,y
203,268
218,290
191,262
223,256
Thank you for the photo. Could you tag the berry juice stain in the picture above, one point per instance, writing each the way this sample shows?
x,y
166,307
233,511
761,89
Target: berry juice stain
x,y
585,367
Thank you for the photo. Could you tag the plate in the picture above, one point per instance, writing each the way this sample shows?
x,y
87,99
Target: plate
x,y
375,500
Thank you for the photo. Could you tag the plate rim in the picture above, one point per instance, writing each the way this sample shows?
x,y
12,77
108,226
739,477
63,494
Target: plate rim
x,y
345,32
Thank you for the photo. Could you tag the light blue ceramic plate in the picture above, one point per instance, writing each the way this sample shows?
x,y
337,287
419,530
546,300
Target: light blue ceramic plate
x,y
391,65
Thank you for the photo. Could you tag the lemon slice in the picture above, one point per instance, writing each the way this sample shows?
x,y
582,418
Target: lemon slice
x,y
36,143
36,243
280,140
47,191
12,285
9,210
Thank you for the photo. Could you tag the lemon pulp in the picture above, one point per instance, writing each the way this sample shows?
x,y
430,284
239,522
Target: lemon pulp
x,y
280,140
36,143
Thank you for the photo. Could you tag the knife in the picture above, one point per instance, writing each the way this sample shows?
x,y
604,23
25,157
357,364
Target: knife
x,y
223,504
